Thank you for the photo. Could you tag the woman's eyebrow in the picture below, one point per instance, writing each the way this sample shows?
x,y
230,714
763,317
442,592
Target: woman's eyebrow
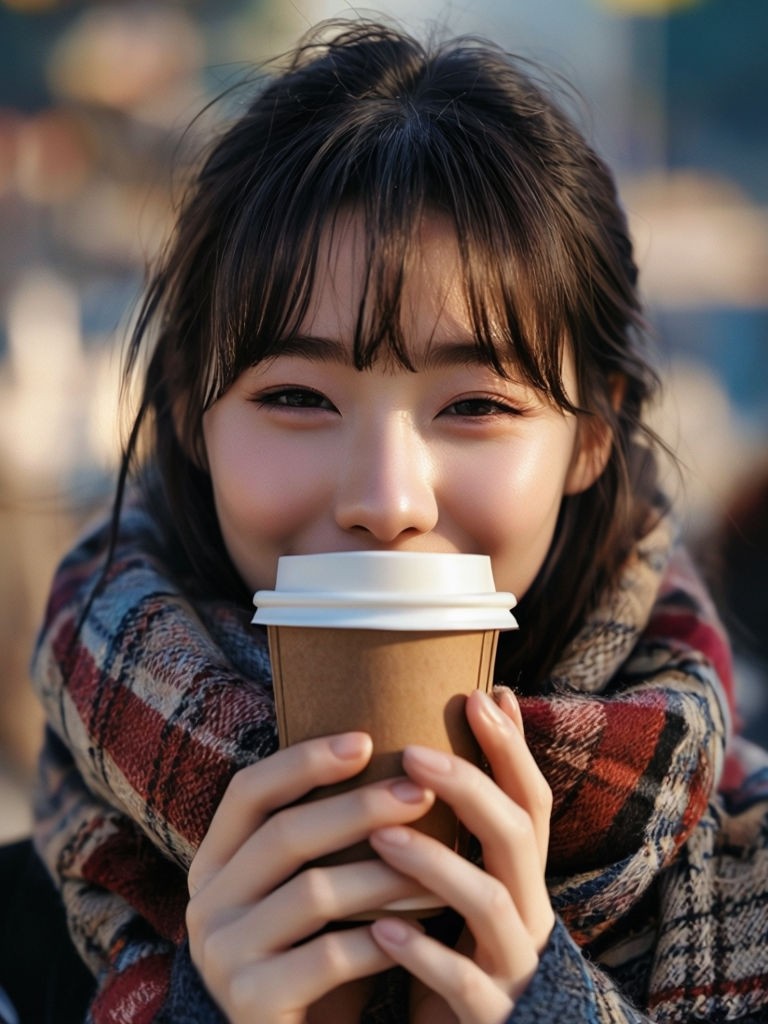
x,y
455,352
311,346
458,352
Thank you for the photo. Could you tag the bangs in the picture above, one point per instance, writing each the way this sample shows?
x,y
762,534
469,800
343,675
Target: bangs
x,y
394,163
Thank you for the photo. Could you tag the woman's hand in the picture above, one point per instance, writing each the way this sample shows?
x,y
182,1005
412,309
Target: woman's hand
x,y
506,907
255,910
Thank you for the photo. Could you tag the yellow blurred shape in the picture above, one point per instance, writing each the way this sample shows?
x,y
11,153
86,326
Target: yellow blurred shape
x,y
121,57
700,241
43,323
42,387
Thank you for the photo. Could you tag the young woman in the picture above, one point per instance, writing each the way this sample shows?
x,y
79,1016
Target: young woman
x,y
399,312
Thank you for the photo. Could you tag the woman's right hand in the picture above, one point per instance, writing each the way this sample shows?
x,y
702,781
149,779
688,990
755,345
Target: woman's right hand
x,y
255,911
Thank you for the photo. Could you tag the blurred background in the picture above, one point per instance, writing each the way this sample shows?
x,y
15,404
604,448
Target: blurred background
x,y
96,104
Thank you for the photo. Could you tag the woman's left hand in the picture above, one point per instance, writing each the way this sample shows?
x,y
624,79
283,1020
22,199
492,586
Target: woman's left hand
x,y
505,905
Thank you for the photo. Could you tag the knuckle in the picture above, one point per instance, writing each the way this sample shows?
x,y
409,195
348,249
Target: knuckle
x,y
472,779
466,983
199,874
369,802
240,788
214,959
541,798
281,832
195,917
332,955
498,898
303,757
316,892
194,879
518,824
244,990
239,785
309,760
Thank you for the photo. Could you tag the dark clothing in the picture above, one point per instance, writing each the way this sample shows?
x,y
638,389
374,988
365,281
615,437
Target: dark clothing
x,y
40,970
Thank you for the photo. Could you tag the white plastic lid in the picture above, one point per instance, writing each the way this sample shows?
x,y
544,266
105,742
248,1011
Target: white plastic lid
x,y
385,590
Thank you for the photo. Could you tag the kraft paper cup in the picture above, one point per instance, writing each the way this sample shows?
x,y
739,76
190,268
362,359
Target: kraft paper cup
x,y
390,643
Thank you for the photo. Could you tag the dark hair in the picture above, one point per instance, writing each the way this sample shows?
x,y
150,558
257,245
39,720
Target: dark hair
x,y
372,119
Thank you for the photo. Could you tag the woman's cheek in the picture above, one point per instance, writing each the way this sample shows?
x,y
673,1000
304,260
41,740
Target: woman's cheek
x,y
510,508
264,495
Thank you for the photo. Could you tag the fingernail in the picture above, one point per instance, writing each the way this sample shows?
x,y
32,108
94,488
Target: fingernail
x,y
509,704
349,745
504,695
492,711
428,759
407,792
393,835
390,930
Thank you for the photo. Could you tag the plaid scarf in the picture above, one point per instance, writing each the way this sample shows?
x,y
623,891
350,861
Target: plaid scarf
x,y
155,700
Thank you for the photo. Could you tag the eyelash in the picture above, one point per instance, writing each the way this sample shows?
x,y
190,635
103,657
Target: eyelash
x,y
278,399
495,407
307,398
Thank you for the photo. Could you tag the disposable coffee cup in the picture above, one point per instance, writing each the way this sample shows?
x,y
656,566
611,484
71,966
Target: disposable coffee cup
x,y
390,643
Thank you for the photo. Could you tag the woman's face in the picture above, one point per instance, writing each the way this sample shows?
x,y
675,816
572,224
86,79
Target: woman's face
x,y
308,454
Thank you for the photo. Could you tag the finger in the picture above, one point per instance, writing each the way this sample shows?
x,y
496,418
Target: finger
x,y
472,994
504,942
282,987
498,728
308,902
297,835
510,705
504,829
257,791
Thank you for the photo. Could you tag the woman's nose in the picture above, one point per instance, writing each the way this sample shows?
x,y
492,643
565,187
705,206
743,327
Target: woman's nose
x,y
386,485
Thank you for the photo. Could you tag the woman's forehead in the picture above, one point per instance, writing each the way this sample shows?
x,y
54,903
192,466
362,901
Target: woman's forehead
x,y
357,273
427,247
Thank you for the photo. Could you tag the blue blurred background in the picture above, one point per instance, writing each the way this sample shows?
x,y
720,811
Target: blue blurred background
x,y
96,100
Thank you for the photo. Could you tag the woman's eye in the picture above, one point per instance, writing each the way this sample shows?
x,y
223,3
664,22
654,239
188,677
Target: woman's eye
x,y
478,407
295,398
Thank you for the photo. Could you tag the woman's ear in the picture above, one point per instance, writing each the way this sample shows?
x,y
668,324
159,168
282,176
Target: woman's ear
x,y
594,442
